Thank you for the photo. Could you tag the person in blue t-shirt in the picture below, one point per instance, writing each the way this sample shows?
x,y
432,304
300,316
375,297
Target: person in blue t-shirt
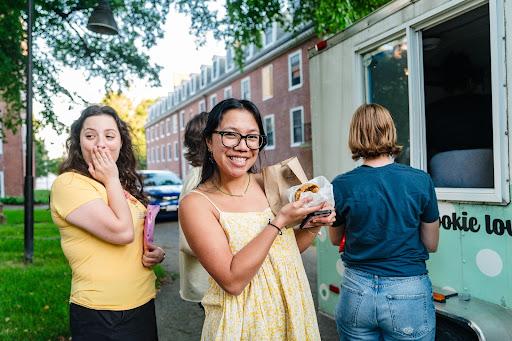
x,y
389,215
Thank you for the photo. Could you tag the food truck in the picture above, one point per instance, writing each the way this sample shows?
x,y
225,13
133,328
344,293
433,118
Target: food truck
x,y
444,70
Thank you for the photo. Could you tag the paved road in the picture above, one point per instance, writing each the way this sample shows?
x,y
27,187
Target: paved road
x,y
179,320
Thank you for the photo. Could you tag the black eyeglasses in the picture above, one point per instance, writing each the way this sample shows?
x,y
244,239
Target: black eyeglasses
x,y
231,139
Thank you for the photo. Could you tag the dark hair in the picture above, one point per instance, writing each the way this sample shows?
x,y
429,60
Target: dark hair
x,y
194,139
126,163
214,118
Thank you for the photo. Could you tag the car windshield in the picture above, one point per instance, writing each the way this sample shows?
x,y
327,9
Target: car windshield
x,y
160,179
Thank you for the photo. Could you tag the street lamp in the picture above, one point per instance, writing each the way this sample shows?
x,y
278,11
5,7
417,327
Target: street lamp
x,y
101,21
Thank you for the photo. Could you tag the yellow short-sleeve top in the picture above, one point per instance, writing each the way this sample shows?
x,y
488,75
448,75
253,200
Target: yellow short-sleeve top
x,y
104,276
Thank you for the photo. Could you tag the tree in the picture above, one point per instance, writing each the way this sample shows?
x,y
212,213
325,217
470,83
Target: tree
x,y
135,118
240,22
60,40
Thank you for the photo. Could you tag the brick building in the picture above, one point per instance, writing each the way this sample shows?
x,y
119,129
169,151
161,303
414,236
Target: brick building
x,y
275,78
12,159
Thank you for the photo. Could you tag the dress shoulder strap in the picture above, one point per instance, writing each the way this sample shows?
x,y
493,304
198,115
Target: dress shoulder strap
x,y
205,196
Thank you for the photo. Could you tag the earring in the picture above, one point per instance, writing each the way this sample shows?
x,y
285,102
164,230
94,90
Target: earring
x,y
210,157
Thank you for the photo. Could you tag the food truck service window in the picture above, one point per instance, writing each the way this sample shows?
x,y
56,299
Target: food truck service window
x,y
443,81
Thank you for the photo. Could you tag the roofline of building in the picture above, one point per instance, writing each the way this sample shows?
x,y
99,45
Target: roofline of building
x,y
287,42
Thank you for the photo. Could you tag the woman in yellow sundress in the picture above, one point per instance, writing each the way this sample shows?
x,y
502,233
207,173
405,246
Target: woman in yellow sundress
x,y
258,286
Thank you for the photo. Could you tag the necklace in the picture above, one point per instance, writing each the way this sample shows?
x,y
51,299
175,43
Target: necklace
x,y
235,195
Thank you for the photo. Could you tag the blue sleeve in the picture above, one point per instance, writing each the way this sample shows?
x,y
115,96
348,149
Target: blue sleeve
x,y
338,204
430,210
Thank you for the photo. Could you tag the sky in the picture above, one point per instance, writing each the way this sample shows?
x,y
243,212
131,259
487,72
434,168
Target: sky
x,y
176,52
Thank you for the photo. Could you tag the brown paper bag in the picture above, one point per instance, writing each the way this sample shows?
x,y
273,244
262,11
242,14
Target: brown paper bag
x,y
278,178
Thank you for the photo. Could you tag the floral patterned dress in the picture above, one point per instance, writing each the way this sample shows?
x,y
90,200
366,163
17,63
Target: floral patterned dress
x,y
276,304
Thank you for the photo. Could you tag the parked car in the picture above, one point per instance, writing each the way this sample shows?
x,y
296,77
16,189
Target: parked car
x,y
162,188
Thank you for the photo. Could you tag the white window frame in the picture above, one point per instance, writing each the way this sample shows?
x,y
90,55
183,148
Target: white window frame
x,y
168,126
229,67
162,152
412,30
2,184
162,127
226,89
242,82
274,36
213,97
271,80
182,120
169,152
201,106
192,84
157,154
270,118
203,80
174,119
215,68
293,143
176,152
250,52
290,56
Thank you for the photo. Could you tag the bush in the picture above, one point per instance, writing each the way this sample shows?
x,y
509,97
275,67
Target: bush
x,y
41,196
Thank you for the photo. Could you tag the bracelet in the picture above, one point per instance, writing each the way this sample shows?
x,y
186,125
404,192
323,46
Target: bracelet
x,y
277,227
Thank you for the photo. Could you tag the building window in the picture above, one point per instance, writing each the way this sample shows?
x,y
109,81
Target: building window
x,y
162,152
386,82
176,151
213,101
216,68
182,120
204,76
169,127
229,59
248,52
297,126
192,84
269,127
269,36
162,127
2,185
148,137
174,123
176,96
245,88
169,152
157,154
202,106
295,70
228,92
267,82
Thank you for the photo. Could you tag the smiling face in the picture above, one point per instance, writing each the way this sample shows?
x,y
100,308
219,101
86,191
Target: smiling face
x,y
100,131
234,162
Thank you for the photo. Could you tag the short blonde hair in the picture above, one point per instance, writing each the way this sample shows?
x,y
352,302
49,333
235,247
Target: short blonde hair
x,y
372,133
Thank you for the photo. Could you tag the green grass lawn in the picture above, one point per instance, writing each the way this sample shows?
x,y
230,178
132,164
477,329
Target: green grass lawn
x,y
34,298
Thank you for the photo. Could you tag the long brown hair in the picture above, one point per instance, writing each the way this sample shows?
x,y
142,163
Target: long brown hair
x,y
126,163
372,133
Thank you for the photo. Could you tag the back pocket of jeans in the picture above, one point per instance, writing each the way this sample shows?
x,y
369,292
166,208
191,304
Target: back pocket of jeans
x,y
410,315
348,305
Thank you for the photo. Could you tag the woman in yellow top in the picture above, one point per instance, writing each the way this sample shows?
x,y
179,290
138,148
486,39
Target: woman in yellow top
x,y
258,287
98,204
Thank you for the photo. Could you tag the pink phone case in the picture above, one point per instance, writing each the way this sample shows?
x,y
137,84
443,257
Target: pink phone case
x,y
149,223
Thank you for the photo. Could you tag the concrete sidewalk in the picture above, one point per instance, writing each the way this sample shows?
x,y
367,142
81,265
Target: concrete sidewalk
x,y
179,320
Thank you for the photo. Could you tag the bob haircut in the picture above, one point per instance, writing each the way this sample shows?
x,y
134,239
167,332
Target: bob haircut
x,y
126,163
372,133
214,118
194,139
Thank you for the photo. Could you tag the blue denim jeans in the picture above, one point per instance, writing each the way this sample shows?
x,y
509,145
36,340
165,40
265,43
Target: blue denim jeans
x,y
385,308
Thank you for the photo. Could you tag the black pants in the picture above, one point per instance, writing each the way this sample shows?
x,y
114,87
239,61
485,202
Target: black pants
x,y
138,324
